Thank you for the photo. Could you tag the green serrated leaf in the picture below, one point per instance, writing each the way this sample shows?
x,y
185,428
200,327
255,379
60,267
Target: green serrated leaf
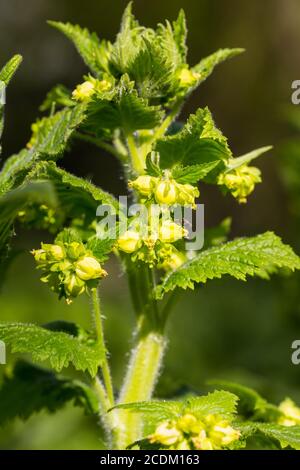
x,y
219,402
101,247
216,403
197,143
6,74
54,132
50,141
251,404
180,34
193,173
151,58
8,71
14,201
288,436
76,195
59,348
128,41
94,52
237,162
29,389
257,256
206,66
158,410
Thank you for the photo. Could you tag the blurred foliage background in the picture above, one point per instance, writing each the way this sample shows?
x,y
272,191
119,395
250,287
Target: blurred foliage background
x,y
227,329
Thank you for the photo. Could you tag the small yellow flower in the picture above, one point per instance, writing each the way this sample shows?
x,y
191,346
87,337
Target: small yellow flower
x,y
202,442
166,434
84,91
223,434
170,232
129,242
89,268
220,432
187,194
189,424
241,181
166,192
291,413
74,286
188,78
143,184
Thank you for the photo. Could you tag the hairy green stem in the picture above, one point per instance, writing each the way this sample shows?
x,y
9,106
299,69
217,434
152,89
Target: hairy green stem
x,y
138,162
104,404
100,337
140,380
146,356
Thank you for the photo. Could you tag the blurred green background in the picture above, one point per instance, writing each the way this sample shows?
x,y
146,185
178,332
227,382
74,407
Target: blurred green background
x,y
227,329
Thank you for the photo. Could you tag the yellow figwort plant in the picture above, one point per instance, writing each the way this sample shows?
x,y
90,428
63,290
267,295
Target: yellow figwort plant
x,y
128,105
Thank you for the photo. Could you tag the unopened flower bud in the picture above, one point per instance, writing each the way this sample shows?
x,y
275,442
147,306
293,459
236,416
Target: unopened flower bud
x,y
75,250
170,232
89,268
40,256
129,242
166,193
53,252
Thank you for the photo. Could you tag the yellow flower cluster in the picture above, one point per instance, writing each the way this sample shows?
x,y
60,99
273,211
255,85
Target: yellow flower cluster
x,y
156,247
165,190
68,268
241,181
211,432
